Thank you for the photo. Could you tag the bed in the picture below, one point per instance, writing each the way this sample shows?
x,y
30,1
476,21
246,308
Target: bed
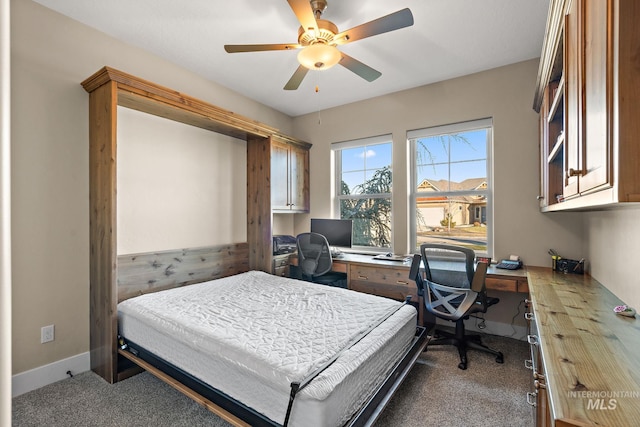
x,y
276,351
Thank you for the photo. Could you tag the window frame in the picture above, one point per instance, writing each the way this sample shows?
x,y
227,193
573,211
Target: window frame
x,y
454,128
336,149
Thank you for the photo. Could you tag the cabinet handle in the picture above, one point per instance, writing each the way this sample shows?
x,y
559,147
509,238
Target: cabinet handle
x,y
401,282
539,197
528,363
574,172
528,316
538,376
532,339
531,399
362,277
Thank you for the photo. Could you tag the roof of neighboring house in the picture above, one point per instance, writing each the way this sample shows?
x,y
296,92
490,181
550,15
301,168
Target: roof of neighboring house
x,y
445,185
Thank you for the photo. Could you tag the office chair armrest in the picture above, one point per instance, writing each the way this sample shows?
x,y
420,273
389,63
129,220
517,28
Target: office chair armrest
x,y
479,276
415,275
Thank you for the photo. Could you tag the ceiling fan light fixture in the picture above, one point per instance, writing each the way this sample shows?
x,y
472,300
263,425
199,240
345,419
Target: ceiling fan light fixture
x,y
319,56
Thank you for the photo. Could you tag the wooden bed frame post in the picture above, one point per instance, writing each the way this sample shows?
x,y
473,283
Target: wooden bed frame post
x,y
259,216
102,202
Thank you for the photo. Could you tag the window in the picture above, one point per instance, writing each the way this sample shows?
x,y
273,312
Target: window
x,y
451,185
363,189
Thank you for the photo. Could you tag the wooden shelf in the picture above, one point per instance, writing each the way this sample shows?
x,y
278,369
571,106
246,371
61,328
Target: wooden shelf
x,y
557,101
558,148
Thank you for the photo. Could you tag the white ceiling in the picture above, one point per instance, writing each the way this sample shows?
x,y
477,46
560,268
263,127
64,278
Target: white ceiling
x,y
449,38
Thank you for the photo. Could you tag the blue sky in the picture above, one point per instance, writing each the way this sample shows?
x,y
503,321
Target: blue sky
x,y
467,155
468,159
361,163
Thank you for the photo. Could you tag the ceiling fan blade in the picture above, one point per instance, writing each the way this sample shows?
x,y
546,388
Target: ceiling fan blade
x,y
296,79
235,48
304,12
363,70
394,21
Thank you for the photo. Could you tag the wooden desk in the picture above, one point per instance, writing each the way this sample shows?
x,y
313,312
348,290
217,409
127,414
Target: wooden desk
x,y
391,278
588,369
497,279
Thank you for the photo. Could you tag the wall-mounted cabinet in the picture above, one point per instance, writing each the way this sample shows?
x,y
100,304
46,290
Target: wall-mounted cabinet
x,y
588,96
289,176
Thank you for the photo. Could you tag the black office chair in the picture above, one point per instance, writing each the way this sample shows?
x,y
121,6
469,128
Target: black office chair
x,y
454,295
315,262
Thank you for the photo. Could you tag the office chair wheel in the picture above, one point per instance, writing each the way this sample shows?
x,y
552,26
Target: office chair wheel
x,y
500,358
462,365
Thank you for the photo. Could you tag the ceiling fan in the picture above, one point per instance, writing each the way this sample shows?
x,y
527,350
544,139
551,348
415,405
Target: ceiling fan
x,y
319,38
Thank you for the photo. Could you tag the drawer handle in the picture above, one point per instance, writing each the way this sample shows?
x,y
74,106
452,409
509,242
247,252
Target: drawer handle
x,y
538,376
362,277
528,363
528,316
532,339
402,282
531,399
537,384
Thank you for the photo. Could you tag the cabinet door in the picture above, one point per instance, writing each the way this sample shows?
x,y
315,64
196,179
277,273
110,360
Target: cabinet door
x,y
279,176
573,104
595,167
299,175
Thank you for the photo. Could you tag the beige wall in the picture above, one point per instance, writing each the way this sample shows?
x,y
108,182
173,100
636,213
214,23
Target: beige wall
x,y
504,94
179,186
613,245
609,240
50,56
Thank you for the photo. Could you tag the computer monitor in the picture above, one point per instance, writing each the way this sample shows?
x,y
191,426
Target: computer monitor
x,y
337,231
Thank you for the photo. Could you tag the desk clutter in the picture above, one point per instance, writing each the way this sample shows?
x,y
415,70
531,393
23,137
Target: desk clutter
x,y
392,257
565,265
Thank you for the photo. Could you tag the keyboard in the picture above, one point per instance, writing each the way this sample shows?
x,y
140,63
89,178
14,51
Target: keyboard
x,y
509,265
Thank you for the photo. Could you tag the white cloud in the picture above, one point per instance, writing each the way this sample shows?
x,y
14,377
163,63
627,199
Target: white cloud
x,y
368,153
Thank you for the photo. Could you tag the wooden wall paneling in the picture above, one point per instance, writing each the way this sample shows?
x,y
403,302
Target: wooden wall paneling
x,y
155,271
259,215
159,100
102,203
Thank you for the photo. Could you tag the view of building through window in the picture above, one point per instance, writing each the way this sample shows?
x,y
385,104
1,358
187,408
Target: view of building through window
x,y
452,188
363,176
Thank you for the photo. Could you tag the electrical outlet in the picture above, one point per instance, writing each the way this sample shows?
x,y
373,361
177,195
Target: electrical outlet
x,y
46,334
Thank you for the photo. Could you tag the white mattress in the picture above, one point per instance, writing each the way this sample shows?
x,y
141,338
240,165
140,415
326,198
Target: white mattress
x,y
252,334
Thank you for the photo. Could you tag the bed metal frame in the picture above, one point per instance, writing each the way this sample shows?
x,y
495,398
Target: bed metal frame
x,y
239,414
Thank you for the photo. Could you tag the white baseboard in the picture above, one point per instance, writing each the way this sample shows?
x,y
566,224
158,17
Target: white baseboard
x,y
48,374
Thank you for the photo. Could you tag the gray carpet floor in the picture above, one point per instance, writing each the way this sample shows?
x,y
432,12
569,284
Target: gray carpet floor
x,y
437,393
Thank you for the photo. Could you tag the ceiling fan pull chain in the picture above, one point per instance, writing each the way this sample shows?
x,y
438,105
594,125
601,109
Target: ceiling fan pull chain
x,y
318,97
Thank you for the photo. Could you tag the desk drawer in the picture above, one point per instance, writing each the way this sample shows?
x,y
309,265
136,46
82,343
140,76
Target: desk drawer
x,y
387,282
500,284
507,284
280,265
